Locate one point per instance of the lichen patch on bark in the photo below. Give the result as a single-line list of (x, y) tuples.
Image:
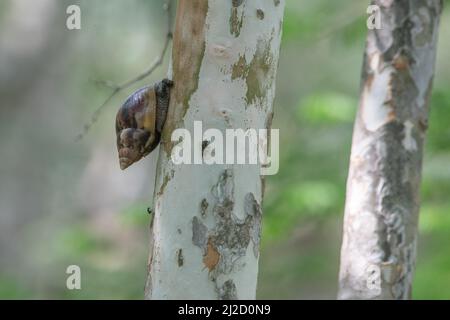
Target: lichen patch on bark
[(203, 208), (199, 233), (236, 17), (228, 291), (258, 74), (239, 69), (260, 14)]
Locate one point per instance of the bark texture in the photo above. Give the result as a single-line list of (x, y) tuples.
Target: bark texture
[(382, 206), (207, 218)]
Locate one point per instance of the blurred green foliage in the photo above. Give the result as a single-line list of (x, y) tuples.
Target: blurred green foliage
[(317, 98), (327, 108)]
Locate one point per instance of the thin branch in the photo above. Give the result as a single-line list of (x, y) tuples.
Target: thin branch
[(118, 88)]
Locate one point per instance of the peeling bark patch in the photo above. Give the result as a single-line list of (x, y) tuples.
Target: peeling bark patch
[(211, 257), (228, 291), (260, 14), (228, 241), (236, 21), (231, 235), (203, 208), (180, 258), (237, 3), (396, 199), (375, 107), (422, 35), (403, 92), (253, 209), (199, 233), (224, 188)]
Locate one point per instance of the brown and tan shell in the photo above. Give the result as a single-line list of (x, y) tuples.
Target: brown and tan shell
[(136, 127)]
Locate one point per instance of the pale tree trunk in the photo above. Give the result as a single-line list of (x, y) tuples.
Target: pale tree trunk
[(382, 206), (207, 218)]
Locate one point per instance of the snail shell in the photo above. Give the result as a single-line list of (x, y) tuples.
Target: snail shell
[(139, 122)]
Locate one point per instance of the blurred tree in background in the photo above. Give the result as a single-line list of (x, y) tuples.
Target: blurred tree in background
[(64, 203)]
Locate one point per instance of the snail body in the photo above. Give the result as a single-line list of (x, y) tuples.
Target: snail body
[(140, 120)]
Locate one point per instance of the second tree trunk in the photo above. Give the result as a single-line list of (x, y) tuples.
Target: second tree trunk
[(381, 216)]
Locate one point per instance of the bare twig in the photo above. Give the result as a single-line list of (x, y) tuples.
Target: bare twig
[(118, 88)]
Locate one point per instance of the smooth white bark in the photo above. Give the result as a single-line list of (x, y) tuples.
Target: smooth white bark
[(206, 228)]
